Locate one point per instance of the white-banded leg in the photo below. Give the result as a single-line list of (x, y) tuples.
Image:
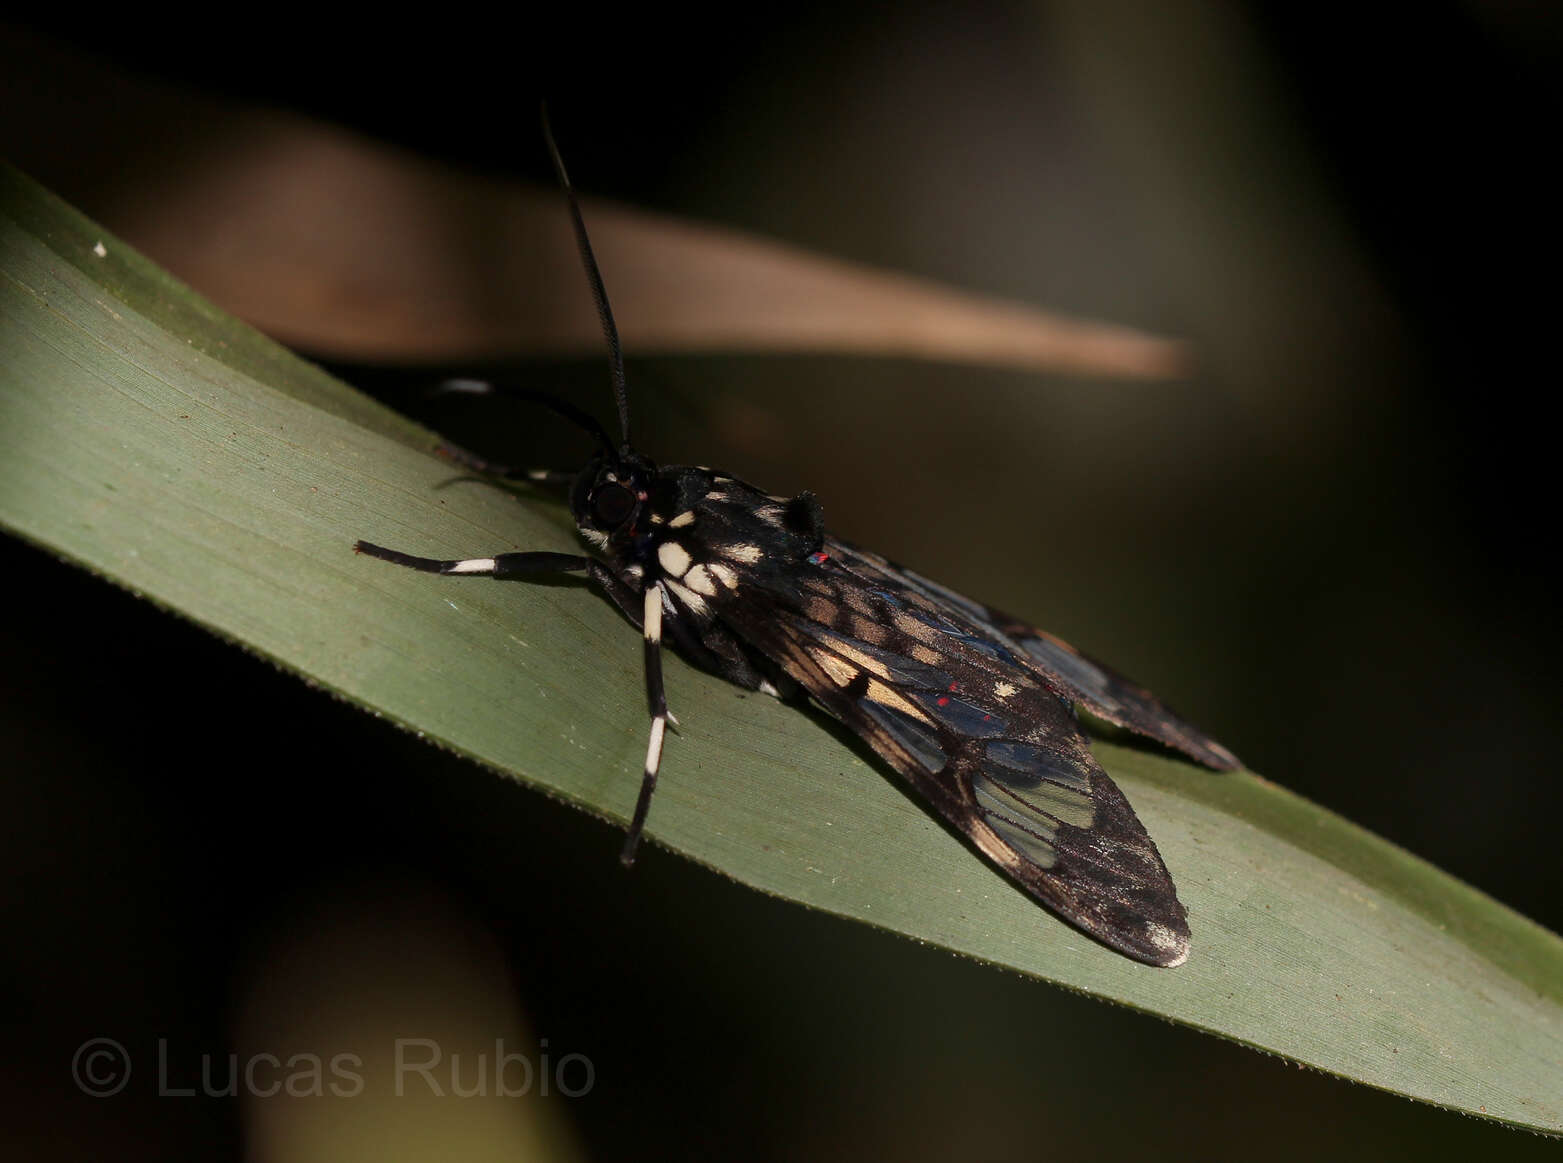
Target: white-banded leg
[(502, 565), (656, 699), (522, 565)]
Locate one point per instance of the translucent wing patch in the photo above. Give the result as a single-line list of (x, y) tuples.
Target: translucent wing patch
[(1026, 796)]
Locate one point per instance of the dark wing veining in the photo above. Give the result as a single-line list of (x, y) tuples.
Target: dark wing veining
[(980, 734), (1102, 691)]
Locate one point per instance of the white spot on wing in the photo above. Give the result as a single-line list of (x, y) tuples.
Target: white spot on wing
[(748, 554), (700, 580), (723, 574), (1165, 939), (768, 688), (1004, 689), (673, 558), (687, 517), (694, 601)]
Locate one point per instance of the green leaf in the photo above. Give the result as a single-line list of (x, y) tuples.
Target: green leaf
[(179, 454)]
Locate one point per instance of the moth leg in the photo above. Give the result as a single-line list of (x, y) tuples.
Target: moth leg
[(629, 602), (651, 628), (502, 565), (545, 476), (509, 472)]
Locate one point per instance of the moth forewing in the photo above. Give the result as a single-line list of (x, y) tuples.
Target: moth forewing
[(949, 703)]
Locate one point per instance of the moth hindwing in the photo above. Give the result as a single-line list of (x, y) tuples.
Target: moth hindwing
[(973, 708)]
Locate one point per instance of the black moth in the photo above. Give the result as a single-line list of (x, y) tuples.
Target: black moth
[(973, 707)]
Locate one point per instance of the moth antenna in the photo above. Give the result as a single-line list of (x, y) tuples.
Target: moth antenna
[(610, 331), (583, 420)]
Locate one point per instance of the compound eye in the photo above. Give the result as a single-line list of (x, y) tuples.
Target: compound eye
[(612, 504)]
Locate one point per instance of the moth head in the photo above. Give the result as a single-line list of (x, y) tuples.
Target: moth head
[(609, 497)]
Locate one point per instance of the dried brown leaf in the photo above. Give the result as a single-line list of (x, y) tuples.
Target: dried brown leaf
[(356, 250)]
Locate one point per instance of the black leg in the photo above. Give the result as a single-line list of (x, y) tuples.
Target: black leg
[(563, 408), (503, 565), (510, 472), (621, 595), (651, 628)]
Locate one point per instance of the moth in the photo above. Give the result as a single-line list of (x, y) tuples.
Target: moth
[(975, 709)]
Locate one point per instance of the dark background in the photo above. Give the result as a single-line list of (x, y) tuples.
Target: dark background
[(1331, 545)]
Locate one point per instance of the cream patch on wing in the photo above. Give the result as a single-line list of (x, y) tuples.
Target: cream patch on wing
[(694, 601), (748, 554), (840, 670), (887, 696), (872, 665), (673, 558)]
